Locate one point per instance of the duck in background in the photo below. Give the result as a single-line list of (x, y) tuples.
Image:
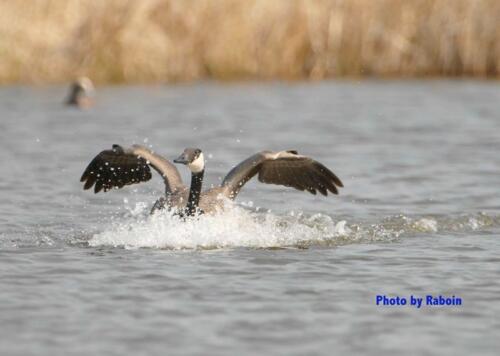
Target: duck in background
[(81, 93)]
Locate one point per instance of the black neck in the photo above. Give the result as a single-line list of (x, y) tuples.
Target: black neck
[(194, 192)]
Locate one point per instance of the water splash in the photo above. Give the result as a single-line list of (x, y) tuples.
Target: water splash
[(241, 227), (235, 227)]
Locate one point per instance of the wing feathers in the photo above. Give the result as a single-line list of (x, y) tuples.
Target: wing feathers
[(119, 167), (115, 168), (286, 168), (328, 173), (299, 172)]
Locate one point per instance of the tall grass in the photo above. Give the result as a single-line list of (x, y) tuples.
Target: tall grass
[(177, 40)]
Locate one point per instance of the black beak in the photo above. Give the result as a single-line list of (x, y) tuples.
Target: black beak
[(181, 159)]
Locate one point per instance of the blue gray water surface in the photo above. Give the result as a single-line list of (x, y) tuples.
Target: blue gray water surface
[(282, 272)]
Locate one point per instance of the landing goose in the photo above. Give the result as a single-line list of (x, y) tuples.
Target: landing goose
[(118, 167)]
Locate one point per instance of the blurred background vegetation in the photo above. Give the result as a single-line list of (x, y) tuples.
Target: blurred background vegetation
[(115, 41)]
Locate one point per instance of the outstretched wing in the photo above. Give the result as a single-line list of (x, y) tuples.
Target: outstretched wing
[(286, 168), (118, 167)]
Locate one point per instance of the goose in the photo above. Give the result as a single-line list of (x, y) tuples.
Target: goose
[(81, 93), (118, 167)]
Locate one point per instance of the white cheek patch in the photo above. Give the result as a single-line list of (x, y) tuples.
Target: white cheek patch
[(198, 164)]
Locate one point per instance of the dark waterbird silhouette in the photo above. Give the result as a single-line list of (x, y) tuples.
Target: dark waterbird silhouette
[(119, 167)]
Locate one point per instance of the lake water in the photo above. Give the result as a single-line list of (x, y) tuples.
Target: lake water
[(282, 272)]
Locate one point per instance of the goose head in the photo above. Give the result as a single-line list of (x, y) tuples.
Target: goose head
[(193, 158)]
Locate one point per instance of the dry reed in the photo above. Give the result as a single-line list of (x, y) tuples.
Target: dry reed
[(178, 40)]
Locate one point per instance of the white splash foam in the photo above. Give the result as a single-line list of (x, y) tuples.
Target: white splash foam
[(341, 229), (235, 227), (239, 226), (426, 225), (474, 223), (140, 208)]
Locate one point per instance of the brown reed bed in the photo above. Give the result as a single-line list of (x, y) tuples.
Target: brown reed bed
[(178, 40)]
